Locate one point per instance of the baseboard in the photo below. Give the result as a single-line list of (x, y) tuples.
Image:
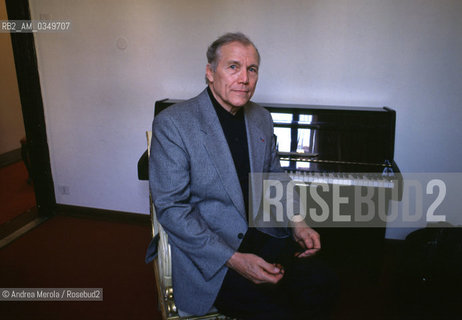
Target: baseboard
[(22, 231), (17, 222), (102, 214), (10, 157)]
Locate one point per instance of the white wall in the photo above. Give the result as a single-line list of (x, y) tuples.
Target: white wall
[(99, 98), (11, 121)]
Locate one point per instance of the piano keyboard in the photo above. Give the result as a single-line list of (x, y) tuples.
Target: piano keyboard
[(345, 179)]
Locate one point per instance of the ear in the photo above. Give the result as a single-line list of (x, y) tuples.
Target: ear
[(209, 73)]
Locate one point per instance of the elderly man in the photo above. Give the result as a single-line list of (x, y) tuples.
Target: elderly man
[(202, 153)]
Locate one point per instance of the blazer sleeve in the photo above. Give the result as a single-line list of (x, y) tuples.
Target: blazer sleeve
[(169, 176)]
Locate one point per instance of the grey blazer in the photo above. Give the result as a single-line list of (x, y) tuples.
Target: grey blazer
[(197, 195)]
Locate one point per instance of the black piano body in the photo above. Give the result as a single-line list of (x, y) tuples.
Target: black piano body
[(351, 147), (339, 145)]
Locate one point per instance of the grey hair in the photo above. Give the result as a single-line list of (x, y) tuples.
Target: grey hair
[(213, 51)]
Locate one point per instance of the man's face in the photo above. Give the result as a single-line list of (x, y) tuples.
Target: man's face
[(233, 82)]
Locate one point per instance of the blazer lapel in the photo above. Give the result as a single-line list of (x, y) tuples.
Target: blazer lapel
[(257, 146), (218, 150), (256, 140)]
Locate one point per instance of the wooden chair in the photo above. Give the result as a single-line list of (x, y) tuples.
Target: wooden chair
[(163, 270)]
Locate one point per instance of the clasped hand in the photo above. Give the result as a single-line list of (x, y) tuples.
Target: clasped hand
[(257, 270), (308, 239)]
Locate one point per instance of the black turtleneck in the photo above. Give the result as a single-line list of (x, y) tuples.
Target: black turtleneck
[(236, 135)]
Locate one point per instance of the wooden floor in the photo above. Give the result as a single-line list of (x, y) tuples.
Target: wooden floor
[(17, 202), (16, 194), (66, 252)]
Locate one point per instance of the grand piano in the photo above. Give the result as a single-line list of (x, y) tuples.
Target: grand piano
[(352, 147)]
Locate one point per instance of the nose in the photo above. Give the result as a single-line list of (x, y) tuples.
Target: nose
[(244, 76)]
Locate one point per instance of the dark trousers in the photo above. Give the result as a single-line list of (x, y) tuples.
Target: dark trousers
[(308, 289)]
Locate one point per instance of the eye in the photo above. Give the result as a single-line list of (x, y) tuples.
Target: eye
[(253, 69), (233, 66)]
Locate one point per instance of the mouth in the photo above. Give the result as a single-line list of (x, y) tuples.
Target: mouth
[(241, 91)]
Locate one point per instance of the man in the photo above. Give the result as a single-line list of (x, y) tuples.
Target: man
[(201, 155)]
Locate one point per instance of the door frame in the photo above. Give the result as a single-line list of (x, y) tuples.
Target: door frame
[(30, 93)]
